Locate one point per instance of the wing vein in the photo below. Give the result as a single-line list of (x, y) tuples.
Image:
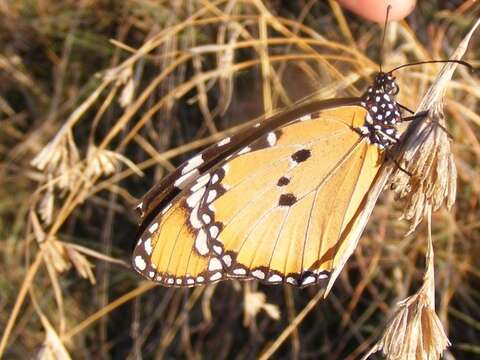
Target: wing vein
[(173, 251), (353, 189), (306, 232), (276, 241), (350, 152), (261, 219)]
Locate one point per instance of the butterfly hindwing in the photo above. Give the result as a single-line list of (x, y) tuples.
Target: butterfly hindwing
[(279, 210)]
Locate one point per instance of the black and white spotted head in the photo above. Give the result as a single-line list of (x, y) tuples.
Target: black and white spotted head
[(386, 83)]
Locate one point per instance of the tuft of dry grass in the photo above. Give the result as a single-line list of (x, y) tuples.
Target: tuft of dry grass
[(100, 101), (415, 332)]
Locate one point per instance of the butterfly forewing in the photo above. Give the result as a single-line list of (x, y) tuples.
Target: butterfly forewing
[(164, 192)]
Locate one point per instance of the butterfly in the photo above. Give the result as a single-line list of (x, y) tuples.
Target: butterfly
[(277, 202)]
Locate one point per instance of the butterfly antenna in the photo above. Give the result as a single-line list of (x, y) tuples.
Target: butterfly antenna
[(383, 36), (464, 63)]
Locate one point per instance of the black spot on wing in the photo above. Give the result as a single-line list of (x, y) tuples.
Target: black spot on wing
[(301, 155), (287, 200), (283, 181)]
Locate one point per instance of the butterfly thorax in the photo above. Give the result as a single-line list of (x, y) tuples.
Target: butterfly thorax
[(383, 113)]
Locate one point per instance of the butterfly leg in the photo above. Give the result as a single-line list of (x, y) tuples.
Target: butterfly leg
[(405, 108), (420, 115), (386, 145), (387, 156), (401, 168)]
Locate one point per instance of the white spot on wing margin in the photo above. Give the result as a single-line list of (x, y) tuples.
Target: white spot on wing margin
[(271, 138), (193, 163), (140, 264), (148, 246)]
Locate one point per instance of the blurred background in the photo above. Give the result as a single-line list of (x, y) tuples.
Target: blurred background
[(100, 99)]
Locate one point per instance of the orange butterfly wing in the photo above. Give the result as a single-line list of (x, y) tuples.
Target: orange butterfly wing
[(278, 210)]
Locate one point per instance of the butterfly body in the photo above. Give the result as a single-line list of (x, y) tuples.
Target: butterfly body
[(383, 112), (278, 202)]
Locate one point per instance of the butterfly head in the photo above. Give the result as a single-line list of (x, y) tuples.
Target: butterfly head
[(385, 83)]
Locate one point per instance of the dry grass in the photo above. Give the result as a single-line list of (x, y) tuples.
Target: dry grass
[(88, 124)]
